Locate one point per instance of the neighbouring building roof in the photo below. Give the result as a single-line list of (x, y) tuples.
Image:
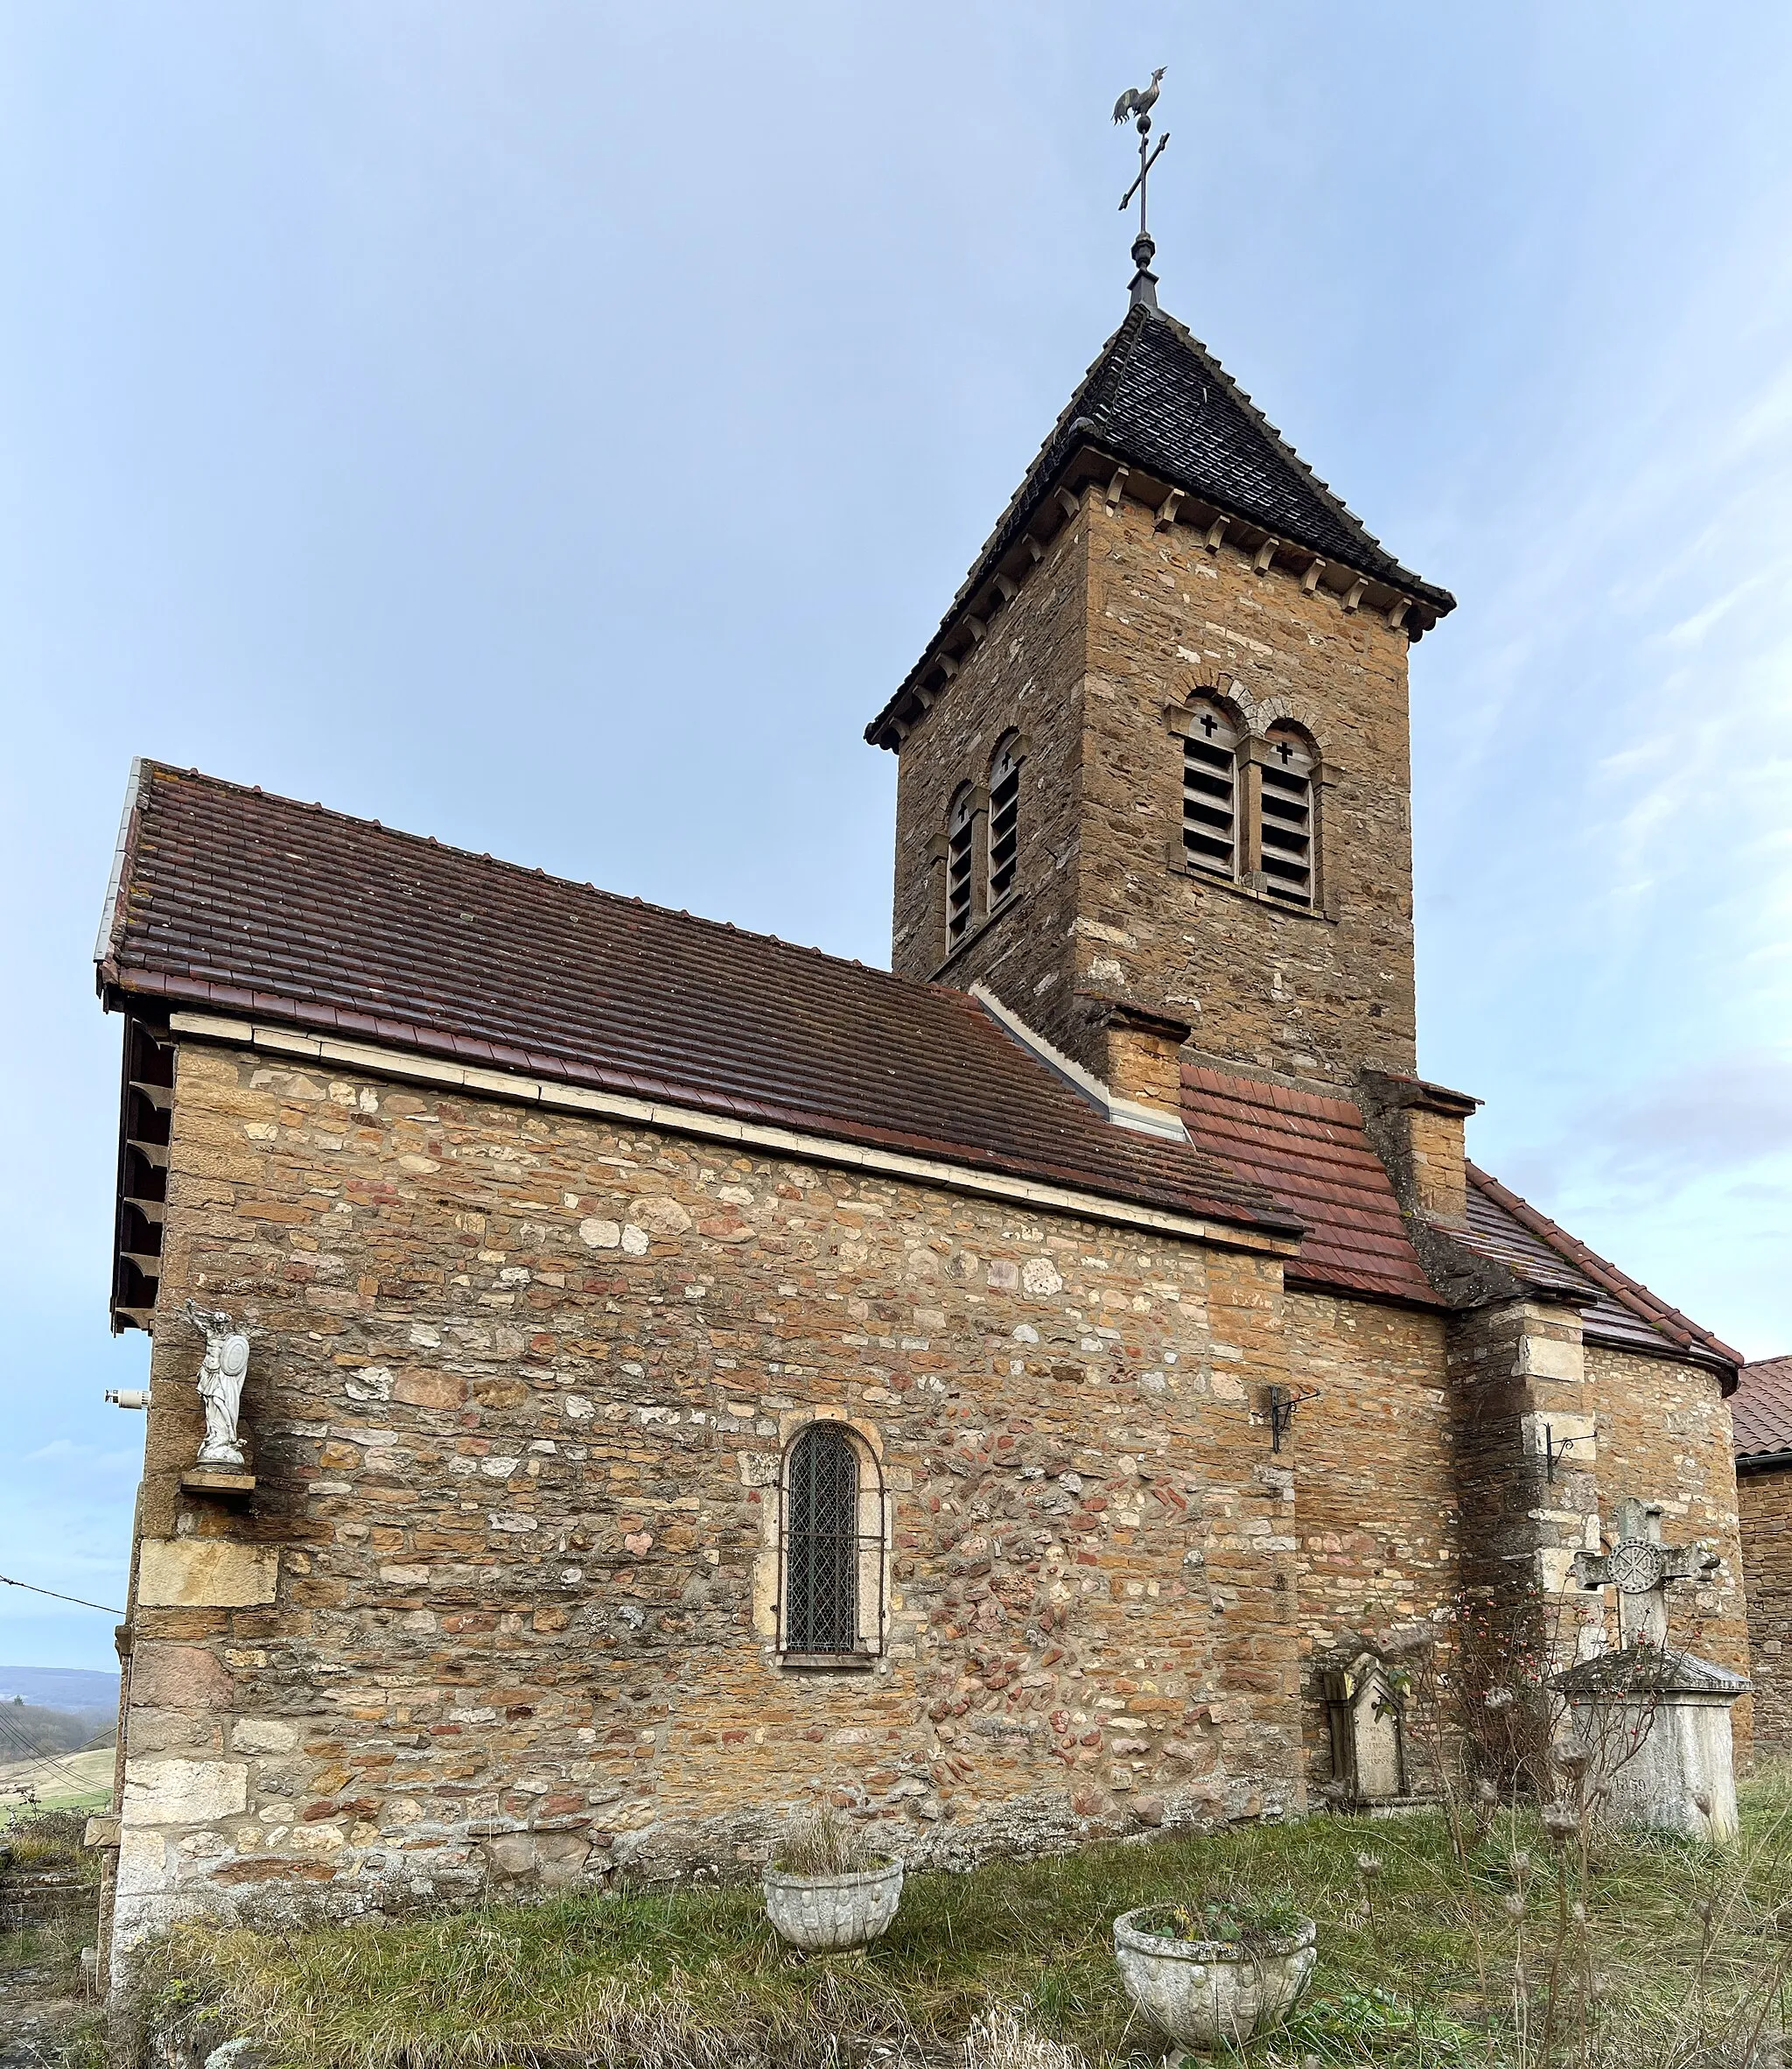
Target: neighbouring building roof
[(1313, 1153), (1621, 1311), (1158, 400), (258, 907), (1760, 1410)]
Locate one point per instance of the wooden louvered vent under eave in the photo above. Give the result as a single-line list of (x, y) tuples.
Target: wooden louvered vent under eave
[(145, 1122)]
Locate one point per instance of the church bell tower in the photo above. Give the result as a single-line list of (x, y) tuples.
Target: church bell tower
[(1153, 787)]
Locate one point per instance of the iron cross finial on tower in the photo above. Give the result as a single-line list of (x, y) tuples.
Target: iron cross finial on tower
[(1138, 101)]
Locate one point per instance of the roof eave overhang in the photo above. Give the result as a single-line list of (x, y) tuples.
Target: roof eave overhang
[(1078, 459), (123, 990), (1763, 1461)]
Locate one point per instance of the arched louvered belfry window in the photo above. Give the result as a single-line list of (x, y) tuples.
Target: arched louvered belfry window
[(1210, 738), (960, 827), (1005, 818), (822, 1542), (1289, 831)]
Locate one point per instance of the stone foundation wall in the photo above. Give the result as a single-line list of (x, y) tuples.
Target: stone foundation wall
[(1765, 1501), (502, 1608)]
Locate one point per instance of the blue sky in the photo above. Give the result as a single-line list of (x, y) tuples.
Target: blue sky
[(557, 427)]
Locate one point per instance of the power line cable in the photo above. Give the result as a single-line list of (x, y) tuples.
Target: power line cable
[(32, 1753), (36, 1753), (81, 1602)]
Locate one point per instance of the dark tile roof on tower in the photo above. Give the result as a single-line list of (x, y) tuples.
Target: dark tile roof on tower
[(256, 906), (1310, 1152), (1621, 1311), (1158, 399), (1760, 1410)]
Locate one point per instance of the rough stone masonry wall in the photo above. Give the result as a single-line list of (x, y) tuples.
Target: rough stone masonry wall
[(496, 1611), (1317, 995), (1664, 1436), (1373, 1468), (1026, 675), (1121, 620), (1765, 1506), (1519, 1391)]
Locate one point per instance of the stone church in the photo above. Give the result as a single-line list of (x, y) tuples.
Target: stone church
[(691, 1376)]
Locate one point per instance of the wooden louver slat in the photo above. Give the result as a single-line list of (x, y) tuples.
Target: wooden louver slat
[(1210, 793)]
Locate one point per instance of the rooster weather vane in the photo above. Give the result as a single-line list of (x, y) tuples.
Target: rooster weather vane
[(1137, 101)]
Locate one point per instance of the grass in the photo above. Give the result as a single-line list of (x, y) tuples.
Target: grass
[(1424, 1964), (40, 1964), (83, 1800), (27, 1786), (825, 1843)]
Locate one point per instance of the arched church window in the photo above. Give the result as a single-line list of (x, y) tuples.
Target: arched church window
[(825, 1543), (959, 825), (1005, 818), (1210, 790), (1288, 830)]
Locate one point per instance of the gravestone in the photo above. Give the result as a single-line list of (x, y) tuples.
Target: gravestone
[(1640, 1567), (1655, 1720), (1367, 1723)]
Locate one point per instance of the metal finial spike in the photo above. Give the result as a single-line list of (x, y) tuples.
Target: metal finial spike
[(1143, 287)]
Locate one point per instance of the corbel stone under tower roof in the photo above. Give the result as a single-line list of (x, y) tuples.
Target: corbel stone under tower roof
[(1156, 401)]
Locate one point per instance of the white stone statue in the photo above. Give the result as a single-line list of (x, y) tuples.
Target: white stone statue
[(221, 1379)]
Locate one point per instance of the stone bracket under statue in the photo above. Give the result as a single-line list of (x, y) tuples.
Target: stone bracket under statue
[(1656, 1721), (220, 1468)]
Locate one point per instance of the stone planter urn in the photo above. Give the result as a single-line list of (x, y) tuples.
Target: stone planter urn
[(823, 1912), (1204, 1993)]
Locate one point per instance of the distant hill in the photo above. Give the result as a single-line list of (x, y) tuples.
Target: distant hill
[(60, 1687)]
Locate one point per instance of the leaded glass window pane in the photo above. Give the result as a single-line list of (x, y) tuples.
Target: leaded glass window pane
[(821, 1553)]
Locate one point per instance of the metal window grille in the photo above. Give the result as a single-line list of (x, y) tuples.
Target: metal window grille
[(822, 1543), (1210, 793), (958, 872), (1287, 821), (1005, 824)]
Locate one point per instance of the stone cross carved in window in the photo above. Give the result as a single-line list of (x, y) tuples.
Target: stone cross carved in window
[(1639, 1566)]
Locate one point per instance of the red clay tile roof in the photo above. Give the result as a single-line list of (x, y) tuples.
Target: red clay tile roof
[(1312, 1154), (254, 905), (1624, 1312), (1760, 1409)]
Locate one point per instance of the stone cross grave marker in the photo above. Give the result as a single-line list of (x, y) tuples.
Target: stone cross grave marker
[(1639, 1566)]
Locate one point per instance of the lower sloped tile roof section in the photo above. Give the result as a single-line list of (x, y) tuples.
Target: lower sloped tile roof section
[(258, 907), (1760, 1409), (1622, 1311), (1311, 1153)]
